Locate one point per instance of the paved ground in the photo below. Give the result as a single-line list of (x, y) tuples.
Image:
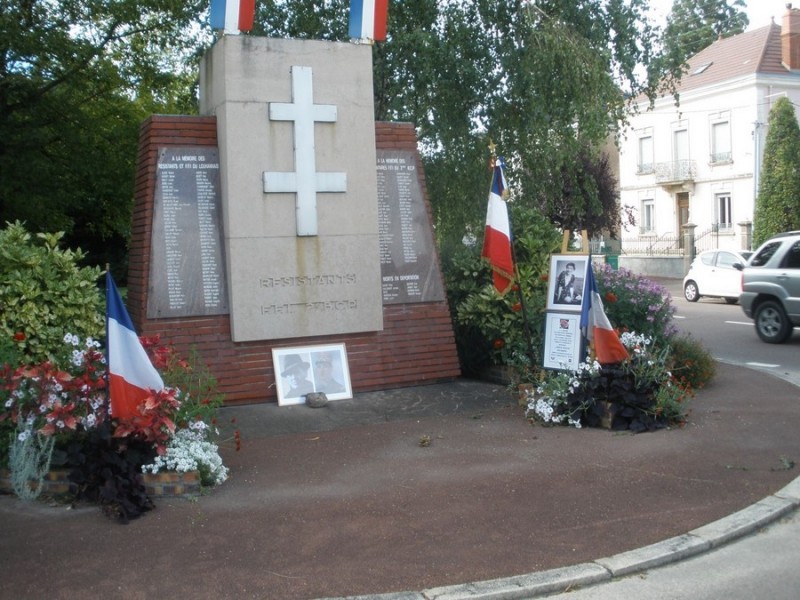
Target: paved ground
[(345, 500)]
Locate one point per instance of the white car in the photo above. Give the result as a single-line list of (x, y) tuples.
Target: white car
[(713, 274)]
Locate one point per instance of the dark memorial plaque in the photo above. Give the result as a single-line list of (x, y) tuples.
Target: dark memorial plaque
[(408, 269), (187, 275)]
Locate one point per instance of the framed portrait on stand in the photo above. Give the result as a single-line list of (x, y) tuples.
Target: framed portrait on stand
[(567, 276)]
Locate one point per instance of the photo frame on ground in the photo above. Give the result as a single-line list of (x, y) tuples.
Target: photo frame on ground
[(567, 276), (301, 370), (562, 341)]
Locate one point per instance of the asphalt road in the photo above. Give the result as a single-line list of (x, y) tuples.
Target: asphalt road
[(730, 335)]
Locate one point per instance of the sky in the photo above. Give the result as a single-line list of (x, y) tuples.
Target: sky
[(758, 11)]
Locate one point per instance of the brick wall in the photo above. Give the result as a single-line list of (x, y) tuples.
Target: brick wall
[(417, 345)]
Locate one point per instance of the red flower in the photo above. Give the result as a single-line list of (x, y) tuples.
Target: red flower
[(611, 297), (498, 343), (60, 417), (19, 336), (517, 307)]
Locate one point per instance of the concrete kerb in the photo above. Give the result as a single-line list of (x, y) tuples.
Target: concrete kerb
[(697, 541), (543, 583)]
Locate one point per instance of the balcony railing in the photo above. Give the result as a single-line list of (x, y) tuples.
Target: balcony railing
[(721, 157), (678, 171)]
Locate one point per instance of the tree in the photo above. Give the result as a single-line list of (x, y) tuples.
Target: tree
[(778, 203), (693, 25), (590, 198), (77, 77)]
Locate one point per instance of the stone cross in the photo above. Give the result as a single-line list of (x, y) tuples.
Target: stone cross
[(305, 181)]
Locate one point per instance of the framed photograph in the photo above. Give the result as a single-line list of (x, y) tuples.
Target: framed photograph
[(562, 341), (567, 275), (305, 369)]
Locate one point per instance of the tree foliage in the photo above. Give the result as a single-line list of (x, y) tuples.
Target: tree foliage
[(693, 25), (548, 81), (76, 79), (778, 203)]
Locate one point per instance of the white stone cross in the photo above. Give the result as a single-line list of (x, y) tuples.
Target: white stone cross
[(305, 181)]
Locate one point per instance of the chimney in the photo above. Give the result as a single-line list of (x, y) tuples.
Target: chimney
[(790, 38)]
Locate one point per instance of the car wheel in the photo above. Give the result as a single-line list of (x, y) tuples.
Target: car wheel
[(690, 291), (730, 300), (772, 324)]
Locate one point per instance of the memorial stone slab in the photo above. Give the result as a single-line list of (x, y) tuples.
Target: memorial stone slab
[(296, 134)]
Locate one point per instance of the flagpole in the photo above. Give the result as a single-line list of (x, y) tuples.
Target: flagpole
[(523, 308), (107, 375)]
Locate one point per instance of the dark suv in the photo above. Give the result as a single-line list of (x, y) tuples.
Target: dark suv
[(771, 287)]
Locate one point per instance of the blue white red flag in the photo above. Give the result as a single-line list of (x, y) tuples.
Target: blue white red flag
[(368, 19), (131, 375), (497, 234), (233, 16), (608, 348)]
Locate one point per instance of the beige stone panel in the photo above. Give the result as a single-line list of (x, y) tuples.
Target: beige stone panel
[(252, 72), (300, 287)]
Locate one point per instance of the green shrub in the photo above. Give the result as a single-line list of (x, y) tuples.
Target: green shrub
[(44, 293), (490, 329), (691, 363)]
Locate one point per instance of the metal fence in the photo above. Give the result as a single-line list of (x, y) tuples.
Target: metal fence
[(667, 244)]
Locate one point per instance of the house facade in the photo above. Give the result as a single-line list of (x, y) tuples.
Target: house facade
[(690, 168)]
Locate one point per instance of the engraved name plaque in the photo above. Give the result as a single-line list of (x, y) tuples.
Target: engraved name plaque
[(408, 269), (187, 276)]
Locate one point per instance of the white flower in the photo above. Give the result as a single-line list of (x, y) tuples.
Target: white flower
[(9, 402), (23, 435), (189, 451)]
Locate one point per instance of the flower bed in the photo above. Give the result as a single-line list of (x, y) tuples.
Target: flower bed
[(55, 420), (638, 394)]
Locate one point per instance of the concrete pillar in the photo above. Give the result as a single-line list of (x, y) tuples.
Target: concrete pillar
[(688, 245), (746, 235)]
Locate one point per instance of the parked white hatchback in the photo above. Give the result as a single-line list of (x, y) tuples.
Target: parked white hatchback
[(713, 273)]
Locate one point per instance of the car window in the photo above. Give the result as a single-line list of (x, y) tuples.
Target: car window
[(763, 256), (792, 258), (726, 259), (707, 258)]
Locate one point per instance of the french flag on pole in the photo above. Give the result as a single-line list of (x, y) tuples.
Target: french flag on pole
[(232, 16), (608, 349), (131, 375), (368, 19), (497, 235)]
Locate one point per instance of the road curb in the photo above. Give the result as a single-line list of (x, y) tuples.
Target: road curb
[(703, 539)]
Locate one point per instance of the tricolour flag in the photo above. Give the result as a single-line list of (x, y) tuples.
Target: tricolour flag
[(131, 375), (608, 349), (497, 235), (368, 19), (232, 16)]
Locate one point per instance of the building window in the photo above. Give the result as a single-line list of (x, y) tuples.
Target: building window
[(723, 214), (721, 142), (645, 164), (648, 224)]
